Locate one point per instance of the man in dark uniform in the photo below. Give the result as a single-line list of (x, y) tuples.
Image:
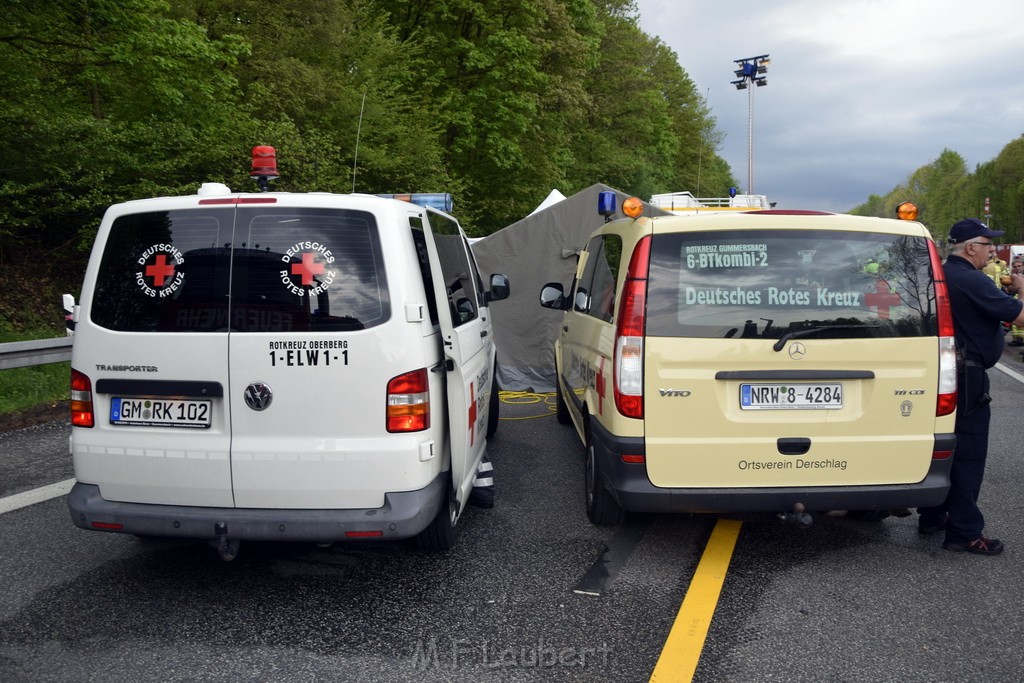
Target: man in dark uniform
[(978, 312)]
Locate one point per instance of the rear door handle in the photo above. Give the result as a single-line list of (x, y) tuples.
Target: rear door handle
[(483, 333)]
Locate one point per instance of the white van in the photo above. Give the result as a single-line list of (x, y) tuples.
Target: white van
[(278, 366)]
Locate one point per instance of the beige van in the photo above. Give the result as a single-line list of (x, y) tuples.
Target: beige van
[(759, 361)]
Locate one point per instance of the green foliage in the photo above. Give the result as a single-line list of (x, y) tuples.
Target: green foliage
[(945, 191), (495, 101), (647, 130), (22, 388), (101, 98)]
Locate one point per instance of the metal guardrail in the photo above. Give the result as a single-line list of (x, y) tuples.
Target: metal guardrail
[(35, 352)]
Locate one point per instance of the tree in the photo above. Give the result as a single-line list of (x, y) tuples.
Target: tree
[(98, 100), (503, 78), (647, 129), (1007, 177)]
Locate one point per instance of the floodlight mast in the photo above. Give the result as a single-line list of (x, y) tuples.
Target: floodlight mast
[(751, 71)]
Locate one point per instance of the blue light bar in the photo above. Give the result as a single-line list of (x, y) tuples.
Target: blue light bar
[(442, 201), (606, 203)]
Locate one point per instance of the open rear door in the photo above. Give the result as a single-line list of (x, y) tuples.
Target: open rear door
[(463, 333)]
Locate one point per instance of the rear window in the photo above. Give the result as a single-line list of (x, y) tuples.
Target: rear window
[(767, 283), (286, 269)]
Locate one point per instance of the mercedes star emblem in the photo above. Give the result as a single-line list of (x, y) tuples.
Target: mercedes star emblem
[(797, 351)]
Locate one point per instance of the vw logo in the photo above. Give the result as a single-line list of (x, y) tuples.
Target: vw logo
[(258, 396), (797, 351)]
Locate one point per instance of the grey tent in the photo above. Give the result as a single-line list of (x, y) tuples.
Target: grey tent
[(538, 249)]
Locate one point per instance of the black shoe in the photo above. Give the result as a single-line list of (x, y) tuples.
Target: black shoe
[(979, 546), (929, 529)]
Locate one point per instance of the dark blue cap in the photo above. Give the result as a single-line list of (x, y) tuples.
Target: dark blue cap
[(968, 229)]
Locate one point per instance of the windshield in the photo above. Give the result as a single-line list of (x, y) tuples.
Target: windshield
[(769, 283)]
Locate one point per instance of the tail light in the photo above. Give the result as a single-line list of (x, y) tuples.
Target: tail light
[(946, 401), (81, 400), (629, 335), (408, 403)]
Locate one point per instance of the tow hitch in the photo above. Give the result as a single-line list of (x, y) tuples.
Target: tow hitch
[(226, 547), (798, 516)]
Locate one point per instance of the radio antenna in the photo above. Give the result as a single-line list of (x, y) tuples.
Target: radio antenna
[(355, 155)]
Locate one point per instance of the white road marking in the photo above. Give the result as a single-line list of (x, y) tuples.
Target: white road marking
[(1012, 373), (26, 498)]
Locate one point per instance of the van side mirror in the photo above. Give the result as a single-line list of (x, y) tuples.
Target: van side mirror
[(552, 296), (68, 300), (500, 288)]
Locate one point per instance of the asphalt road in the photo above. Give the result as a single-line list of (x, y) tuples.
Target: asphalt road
[(841, 600)]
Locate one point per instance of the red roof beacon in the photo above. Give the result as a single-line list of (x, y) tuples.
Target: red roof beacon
[(264, 166)]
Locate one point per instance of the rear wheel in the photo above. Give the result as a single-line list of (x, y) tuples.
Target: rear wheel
[(602, 508), (561, 409), (441, 532)]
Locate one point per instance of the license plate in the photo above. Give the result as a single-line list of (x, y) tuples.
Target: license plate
[(160, 412), (791, 396)]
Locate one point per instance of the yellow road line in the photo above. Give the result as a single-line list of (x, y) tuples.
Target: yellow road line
[(679, 656)]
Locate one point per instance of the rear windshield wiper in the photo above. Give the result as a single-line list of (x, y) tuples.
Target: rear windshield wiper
[(808, 331)]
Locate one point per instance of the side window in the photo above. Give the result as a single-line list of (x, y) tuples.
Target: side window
[(458, 274), (480, 299), (606, 272), (582, 297), (420, 242), (595, 292)]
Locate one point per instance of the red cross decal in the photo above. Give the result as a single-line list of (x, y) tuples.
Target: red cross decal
[(160, 270), (308, 268), (472, 413), (882, 299), (600, 388)]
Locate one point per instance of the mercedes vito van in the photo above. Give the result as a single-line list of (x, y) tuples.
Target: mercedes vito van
[(278, 366), (758, 361)]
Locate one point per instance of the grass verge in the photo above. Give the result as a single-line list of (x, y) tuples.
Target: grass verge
[(22, 388), (25, 388)]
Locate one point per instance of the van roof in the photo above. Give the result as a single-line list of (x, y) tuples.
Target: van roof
[(779, 219)]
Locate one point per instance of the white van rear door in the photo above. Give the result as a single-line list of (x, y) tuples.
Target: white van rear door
[(153, 340), (465, 333), (313, 343)]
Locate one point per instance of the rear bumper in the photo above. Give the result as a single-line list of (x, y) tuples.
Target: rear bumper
[(634, 492), (403, 515)]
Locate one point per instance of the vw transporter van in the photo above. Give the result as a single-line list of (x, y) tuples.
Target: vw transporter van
[(278, 366)]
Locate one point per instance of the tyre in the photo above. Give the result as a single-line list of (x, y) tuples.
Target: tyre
[(494, 407), (441, 532), (561, 409), (602, 508)]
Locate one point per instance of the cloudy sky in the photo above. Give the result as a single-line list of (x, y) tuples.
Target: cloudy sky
[(860, 93)]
